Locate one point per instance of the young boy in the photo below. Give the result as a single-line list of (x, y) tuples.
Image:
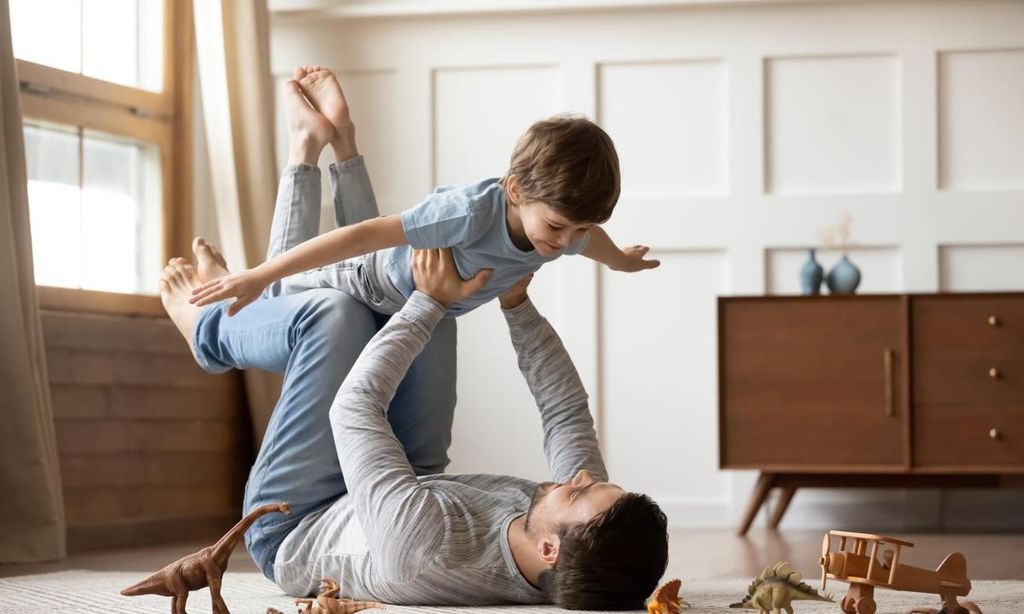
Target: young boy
[(562, 182)]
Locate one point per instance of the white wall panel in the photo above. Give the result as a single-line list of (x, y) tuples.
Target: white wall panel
[(880, 269), (479, 113), (981, 120), (660, 399), (668, 123), (833, 124), (978, 268)]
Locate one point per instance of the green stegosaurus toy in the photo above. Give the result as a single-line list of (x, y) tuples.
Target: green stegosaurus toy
[(775, 589)]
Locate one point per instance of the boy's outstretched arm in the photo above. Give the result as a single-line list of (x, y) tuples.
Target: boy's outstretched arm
[(602, 249), (334, 246)]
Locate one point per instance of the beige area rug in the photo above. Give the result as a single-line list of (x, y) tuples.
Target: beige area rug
[(80, 592)]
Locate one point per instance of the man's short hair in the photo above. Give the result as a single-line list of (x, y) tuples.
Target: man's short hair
[(613, 561), (568, 163)]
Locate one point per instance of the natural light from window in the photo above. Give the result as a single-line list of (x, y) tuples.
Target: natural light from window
[(114, 40), (94, 203)]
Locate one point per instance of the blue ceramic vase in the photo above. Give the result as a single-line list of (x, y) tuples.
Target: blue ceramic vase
[(843, 278), (810, 275)]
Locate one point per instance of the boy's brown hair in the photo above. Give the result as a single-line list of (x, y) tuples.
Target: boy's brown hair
[(568, 163)]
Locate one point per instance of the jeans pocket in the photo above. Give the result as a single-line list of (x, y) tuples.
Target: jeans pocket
[(367, 285)]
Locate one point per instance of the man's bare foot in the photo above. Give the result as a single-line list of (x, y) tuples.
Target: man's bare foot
[(176, 283), (210, 264), (309, 131), (322, 89)]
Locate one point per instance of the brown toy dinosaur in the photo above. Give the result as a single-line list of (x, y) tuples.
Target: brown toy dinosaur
[(200, 569), (328, 602)]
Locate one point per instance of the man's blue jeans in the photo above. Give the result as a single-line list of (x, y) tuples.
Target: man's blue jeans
[(315, 337)]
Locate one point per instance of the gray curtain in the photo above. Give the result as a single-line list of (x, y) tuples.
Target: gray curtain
[(31, 505)]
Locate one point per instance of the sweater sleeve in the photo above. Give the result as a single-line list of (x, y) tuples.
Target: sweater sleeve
[(402, 519), (570, 442)]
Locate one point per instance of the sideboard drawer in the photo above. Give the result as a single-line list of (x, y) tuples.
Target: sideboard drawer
[(969, 375), (964, 321), (965, 435)]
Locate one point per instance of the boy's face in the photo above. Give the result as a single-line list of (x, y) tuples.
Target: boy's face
[(548, 231)]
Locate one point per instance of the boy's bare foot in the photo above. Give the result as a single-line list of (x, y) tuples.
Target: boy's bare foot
[(176, 284), (322, 89), (309, 131), (209, 262)]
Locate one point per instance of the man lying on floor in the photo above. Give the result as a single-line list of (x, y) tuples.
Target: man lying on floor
[(447, 539)]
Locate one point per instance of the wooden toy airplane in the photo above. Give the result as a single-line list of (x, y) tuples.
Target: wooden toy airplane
[(865, 571)]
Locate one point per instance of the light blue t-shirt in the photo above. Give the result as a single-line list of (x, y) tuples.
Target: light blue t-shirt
[(470, 219)]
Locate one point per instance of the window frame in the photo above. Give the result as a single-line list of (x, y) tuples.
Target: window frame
[(161, 118)]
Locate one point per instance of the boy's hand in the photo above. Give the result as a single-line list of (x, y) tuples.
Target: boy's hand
[(244, 286), (514, 296), (435, 275), (633, 259)]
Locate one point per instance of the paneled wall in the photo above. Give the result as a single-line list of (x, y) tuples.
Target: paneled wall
[(744, 131), (151, 448)]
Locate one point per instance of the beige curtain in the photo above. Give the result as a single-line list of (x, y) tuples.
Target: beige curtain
[(31, 504), (233, 51)]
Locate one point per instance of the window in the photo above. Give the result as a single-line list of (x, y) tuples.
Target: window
[(95, 209), (120, 41), (105, 90)]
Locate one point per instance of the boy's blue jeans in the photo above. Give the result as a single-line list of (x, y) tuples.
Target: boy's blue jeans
[(315, 337)]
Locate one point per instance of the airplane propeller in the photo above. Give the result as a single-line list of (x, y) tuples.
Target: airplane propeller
[(824, 561)]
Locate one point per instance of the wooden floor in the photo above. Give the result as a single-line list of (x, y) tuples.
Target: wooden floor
[(693, 554)]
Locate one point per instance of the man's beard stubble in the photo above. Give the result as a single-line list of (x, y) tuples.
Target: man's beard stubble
[(538, 494)]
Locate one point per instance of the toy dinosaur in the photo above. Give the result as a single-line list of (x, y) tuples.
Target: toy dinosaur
[(666, 599), (328, 602), (200, 569), (775, 589)]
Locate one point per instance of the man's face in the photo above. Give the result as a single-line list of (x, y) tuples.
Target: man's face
[(578, 501)]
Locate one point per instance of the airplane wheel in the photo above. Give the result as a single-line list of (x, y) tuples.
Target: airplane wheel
[(865, 605), (848, 605)]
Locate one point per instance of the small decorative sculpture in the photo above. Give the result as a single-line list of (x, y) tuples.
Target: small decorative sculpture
[(666, 599), (776, 589), (201, 569)]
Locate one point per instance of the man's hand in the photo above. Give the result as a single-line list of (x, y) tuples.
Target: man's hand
[(435, 275), (514, 296), (245, 286), (633, 259)]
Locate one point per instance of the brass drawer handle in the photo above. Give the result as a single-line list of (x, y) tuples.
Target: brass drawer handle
[(890, 401), (994, 434), (994, 373), (993, 321)]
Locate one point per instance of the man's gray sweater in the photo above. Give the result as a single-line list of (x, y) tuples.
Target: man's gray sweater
[(439, 539)]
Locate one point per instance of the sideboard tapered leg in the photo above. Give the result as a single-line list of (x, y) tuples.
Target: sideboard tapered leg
[(764, 486)]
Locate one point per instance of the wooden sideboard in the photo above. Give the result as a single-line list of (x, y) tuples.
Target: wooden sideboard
[(912, 390)]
